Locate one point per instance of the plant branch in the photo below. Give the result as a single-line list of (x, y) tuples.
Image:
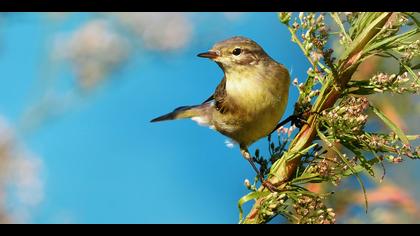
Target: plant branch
[(283, 169)]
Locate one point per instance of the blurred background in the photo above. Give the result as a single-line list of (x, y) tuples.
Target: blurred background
[(77, 92)]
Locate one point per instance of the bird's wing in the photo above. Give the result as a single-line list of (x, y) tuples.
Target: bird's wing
[(220, 98), (209, 99)]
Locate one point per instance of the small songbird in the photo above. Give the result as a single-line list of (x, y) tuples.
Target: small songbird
[(249, 101)]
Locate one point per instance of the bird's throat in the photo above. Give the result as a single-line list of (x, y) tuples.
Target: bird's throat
[(246, 85)]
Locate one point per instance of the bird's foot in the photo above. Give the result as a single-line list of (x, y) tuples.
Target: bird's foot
[(301, 119), (269, 185), (297, 120)]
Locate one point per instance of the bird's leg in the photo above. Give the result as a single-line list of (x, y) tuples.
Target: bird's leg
[(245, 153)]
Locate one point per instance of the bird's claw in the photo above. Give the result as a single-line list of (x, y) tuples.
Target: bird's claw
[(269, 186)]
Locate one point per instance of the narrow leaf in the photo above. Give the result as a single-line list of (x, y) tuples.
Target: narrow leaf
[(391, 125), (250, 196), (366, 35), (322, 136), (389, 42)]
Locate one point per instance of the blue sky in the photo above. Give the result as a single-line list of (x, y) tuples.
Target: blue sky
[(103, 162)]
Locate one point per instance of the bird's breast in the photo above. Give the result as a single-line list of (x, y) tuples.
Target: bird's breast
[(254, 92), (260, 104)]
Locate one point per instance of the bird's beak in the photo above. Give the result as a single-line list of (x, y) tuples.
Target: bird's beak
[(209, 54)]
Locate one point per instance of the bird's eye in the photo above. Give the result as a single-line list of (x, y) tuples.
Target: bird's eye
[(236, 51)]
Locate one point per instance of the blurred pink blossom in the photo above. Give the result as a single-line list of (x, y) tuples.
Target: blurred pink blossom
[(94, 50), (158, 30), (21, 186)]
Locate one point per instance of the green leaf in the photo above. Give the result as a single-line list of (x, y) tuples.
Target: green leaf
[(413, 18), (369, 24), (322, 136), (337, 20), (301, 153), (389, 42), (250, 196), (363, 161), (356, 169), (413, 137), (362, 91), (308, 178), (359, 168), (390, 125), (409, 70), (362, 185)]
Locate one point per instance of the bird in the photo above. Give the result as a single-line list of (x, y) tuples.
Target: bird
[(251, 98)]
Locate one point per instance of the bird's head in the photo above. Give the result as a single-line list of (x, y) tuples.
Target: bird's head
[(236, 52)]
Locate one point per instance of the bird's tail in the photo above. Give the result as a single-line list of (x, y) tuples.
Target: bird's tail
[(183, 112)]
